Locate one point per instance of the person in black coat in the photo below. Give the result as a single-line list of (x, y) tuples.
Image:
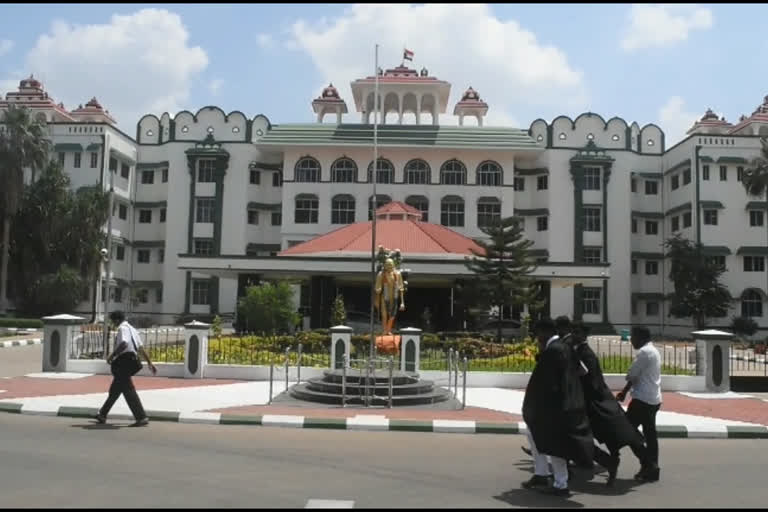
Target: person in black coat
[(555, 413), (609, 423)]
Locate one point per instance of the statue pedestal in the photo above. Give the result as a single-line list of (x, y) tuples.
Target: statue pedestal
[(388, 344)]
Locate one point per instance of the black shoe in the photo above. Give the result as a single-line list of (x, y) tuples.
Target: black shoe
[(554, 491), (527, 451), (648, 475), (101, 420), (612, 470), (141, 423), (537, 481)]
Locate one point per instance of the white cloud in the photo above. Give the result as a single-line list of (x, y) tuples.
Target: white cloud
[(265, 41), (215, 85), (134, 64), (464, 44), (653, 26), (6, 45), (675, 120)]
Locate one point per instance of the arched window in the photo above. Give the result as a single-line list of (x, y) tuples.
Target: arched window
[(342, 209), (488, 211), (453, 172), (751, 304), (344, 170), (307, 170), (452, 211), (421, 203), (381, 200), (306, 209), (417, 172), (489, 174), (385, 171)]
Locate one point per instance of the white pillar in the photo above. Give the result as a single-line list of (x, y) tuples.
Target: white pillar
[(410, 346), (461, 119), (195, 349), (418, 109), (713, 359), (341, 343), (320, 116), (479, 120), (338, 115), (434, 114), (59, 334)]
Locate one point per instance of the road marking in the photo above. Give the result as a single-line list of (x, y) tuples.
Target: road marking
[(330, 504)]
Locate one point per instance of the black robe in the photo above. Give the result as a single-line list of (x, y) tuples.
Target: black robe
[(554, 408), (610, 425)]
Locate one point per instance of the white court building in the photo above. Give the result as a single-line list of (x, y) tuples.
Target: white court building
[(206, 201)]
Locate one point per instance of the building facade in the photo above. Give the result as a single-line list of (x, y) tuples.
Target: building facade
[(205, 202)]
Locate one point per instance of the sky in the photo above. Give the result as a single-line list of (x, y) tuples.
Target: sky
[(663, 64)]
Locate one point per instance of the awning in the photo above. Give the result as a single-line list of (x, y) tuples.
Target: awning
[(752, 251)]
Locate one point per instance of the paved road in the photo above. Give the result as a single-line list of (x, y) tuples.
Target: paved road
[(64, 462), (16, 361)]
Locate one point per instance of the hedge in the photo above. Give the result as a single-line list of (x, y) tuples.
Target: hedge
[(22, 323)]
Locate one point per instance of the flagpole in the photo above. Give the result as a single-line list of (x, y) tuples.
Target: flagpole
[(373, 206)]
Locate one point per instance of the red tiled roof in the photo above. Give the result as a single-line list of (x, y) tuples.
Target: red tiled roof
[(397, 207)]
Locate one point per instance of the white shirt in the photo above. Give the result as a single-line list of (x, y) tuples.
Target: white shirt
[(124, 333), (645, 375)]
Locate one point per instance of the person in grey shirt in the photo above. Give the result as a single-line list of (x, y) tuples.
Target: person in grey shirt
[(644, 379)]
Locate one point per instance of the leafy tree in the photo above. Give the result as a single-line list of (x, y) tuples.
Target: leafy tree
[(339, 312), (743, 326), (216, 327), (23, 144), (268, 308), (502, 269), (698, 291), (755, 178)]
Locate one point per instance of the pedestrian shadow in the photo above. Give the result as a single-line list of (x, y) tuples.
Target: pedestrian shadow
[(534, 499), (583, 480), (98, 426)]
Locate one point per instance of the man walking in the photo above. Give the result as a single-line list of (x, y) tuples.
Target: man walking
[(125, 363), (553, 410), (644, 379)]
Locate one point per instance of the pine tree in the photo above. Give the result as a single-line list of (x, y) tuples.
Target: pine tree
[(339, 312), (503, 269)]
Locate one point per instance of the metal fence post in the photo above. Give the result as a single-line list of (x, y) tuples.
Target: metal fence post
[(456, 375), (464, 386), (450, 362), (298, 366), (391, 372), (271, 375), (287, 366), (344, 380)]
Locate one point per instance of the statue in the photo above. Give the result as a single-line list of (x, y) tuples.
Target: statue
[(389, 289)]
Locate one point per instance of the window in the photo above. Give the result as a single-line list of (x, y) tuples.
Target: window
[(717, 261), (113, 164), (755, 218), (78, 156), (676, 223), (520, 184), (591, 219), (651, 268), (542, 223), (306, 209), (634, 225), (385, 172), (686, 176), (307, 170), (633, 185), (739, 173), (651, 227), (591, 300), (723, 172), (277, 218), (705, 173), (145, 216), (117, 294), (162, 214), (123, 212), (147, 177), (488, 212), (159, 295), (592, 178), (344, 170), (342, 209), (204, 210), (277, 180), (202, 247), (165, 175), (651, 187), (62, 157), (120, 252), (421, 203), (675, 182), (651, 309), (162, 255), (634, 266), (205, 171), (381, 200), (754, 264), (94, 160), (592, 254), (687, 220), (541, 183), (201, 292), (710, 217), (253, 217), (125, 171), (452, 211), (142, 256), (751, 304), (489, 174), (255, 177), (453, 172)]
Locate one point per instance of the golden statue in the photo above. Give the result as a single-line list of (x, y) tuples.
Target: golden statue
[(389, 288)]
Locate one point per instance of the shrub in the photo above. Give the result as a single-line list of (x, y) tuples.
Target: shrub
[(743, 326), (216, 326), (759, 349), (22, 323), (269, 307), (142, 322)]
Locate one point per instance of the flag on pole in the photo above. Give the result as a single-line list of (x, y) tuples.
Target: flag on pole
[(407, 55)]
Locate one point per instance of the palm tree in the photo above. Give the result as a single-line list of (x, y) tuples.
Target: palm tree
[(23, 143), (755, 179)]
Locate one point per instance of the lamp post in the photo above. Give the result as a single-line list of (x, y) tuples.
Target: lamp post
[(106, 254)]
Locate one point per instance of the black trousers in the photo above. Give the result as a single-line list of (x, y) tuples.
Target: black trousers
[(641, 413), (122, 384), (638, 449)]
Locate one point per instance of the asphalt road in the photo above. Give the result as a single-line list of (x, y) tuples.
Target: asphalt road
[(64, 462)]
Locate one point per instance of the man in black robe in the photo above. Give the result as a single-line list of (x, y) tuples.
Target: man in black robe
[(609, 423), (554, 412)]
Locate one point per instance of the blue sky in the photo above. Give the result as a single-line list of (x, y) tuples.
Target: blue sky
[(663, 64)]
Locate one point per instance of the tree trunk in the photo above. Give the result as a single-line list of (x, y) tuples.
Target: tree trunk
[(4, 264)]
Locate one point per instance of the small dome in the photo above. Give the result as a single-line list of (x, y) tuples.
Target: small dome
[(330, 92), (31, 82), (93, 103), (470, 94), (709, 116), (424, 72)]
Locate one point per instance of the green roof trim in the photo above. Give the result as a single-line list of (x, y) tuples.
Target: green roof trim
[(531, 172), (266, 167), (711, 204), (681, 208), (146, 284), (647, 296), (757, 205), (707, 159), (592, 153), (531, 212), (148, 243), (732, 160), (752, 251), (361, 135), (253, 205), (677, 167), (262, 247), (93, 147), (151, 165), (649, 175), (150, 204), (715, 250), (647, 255), (648, 215), (68, 146)]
